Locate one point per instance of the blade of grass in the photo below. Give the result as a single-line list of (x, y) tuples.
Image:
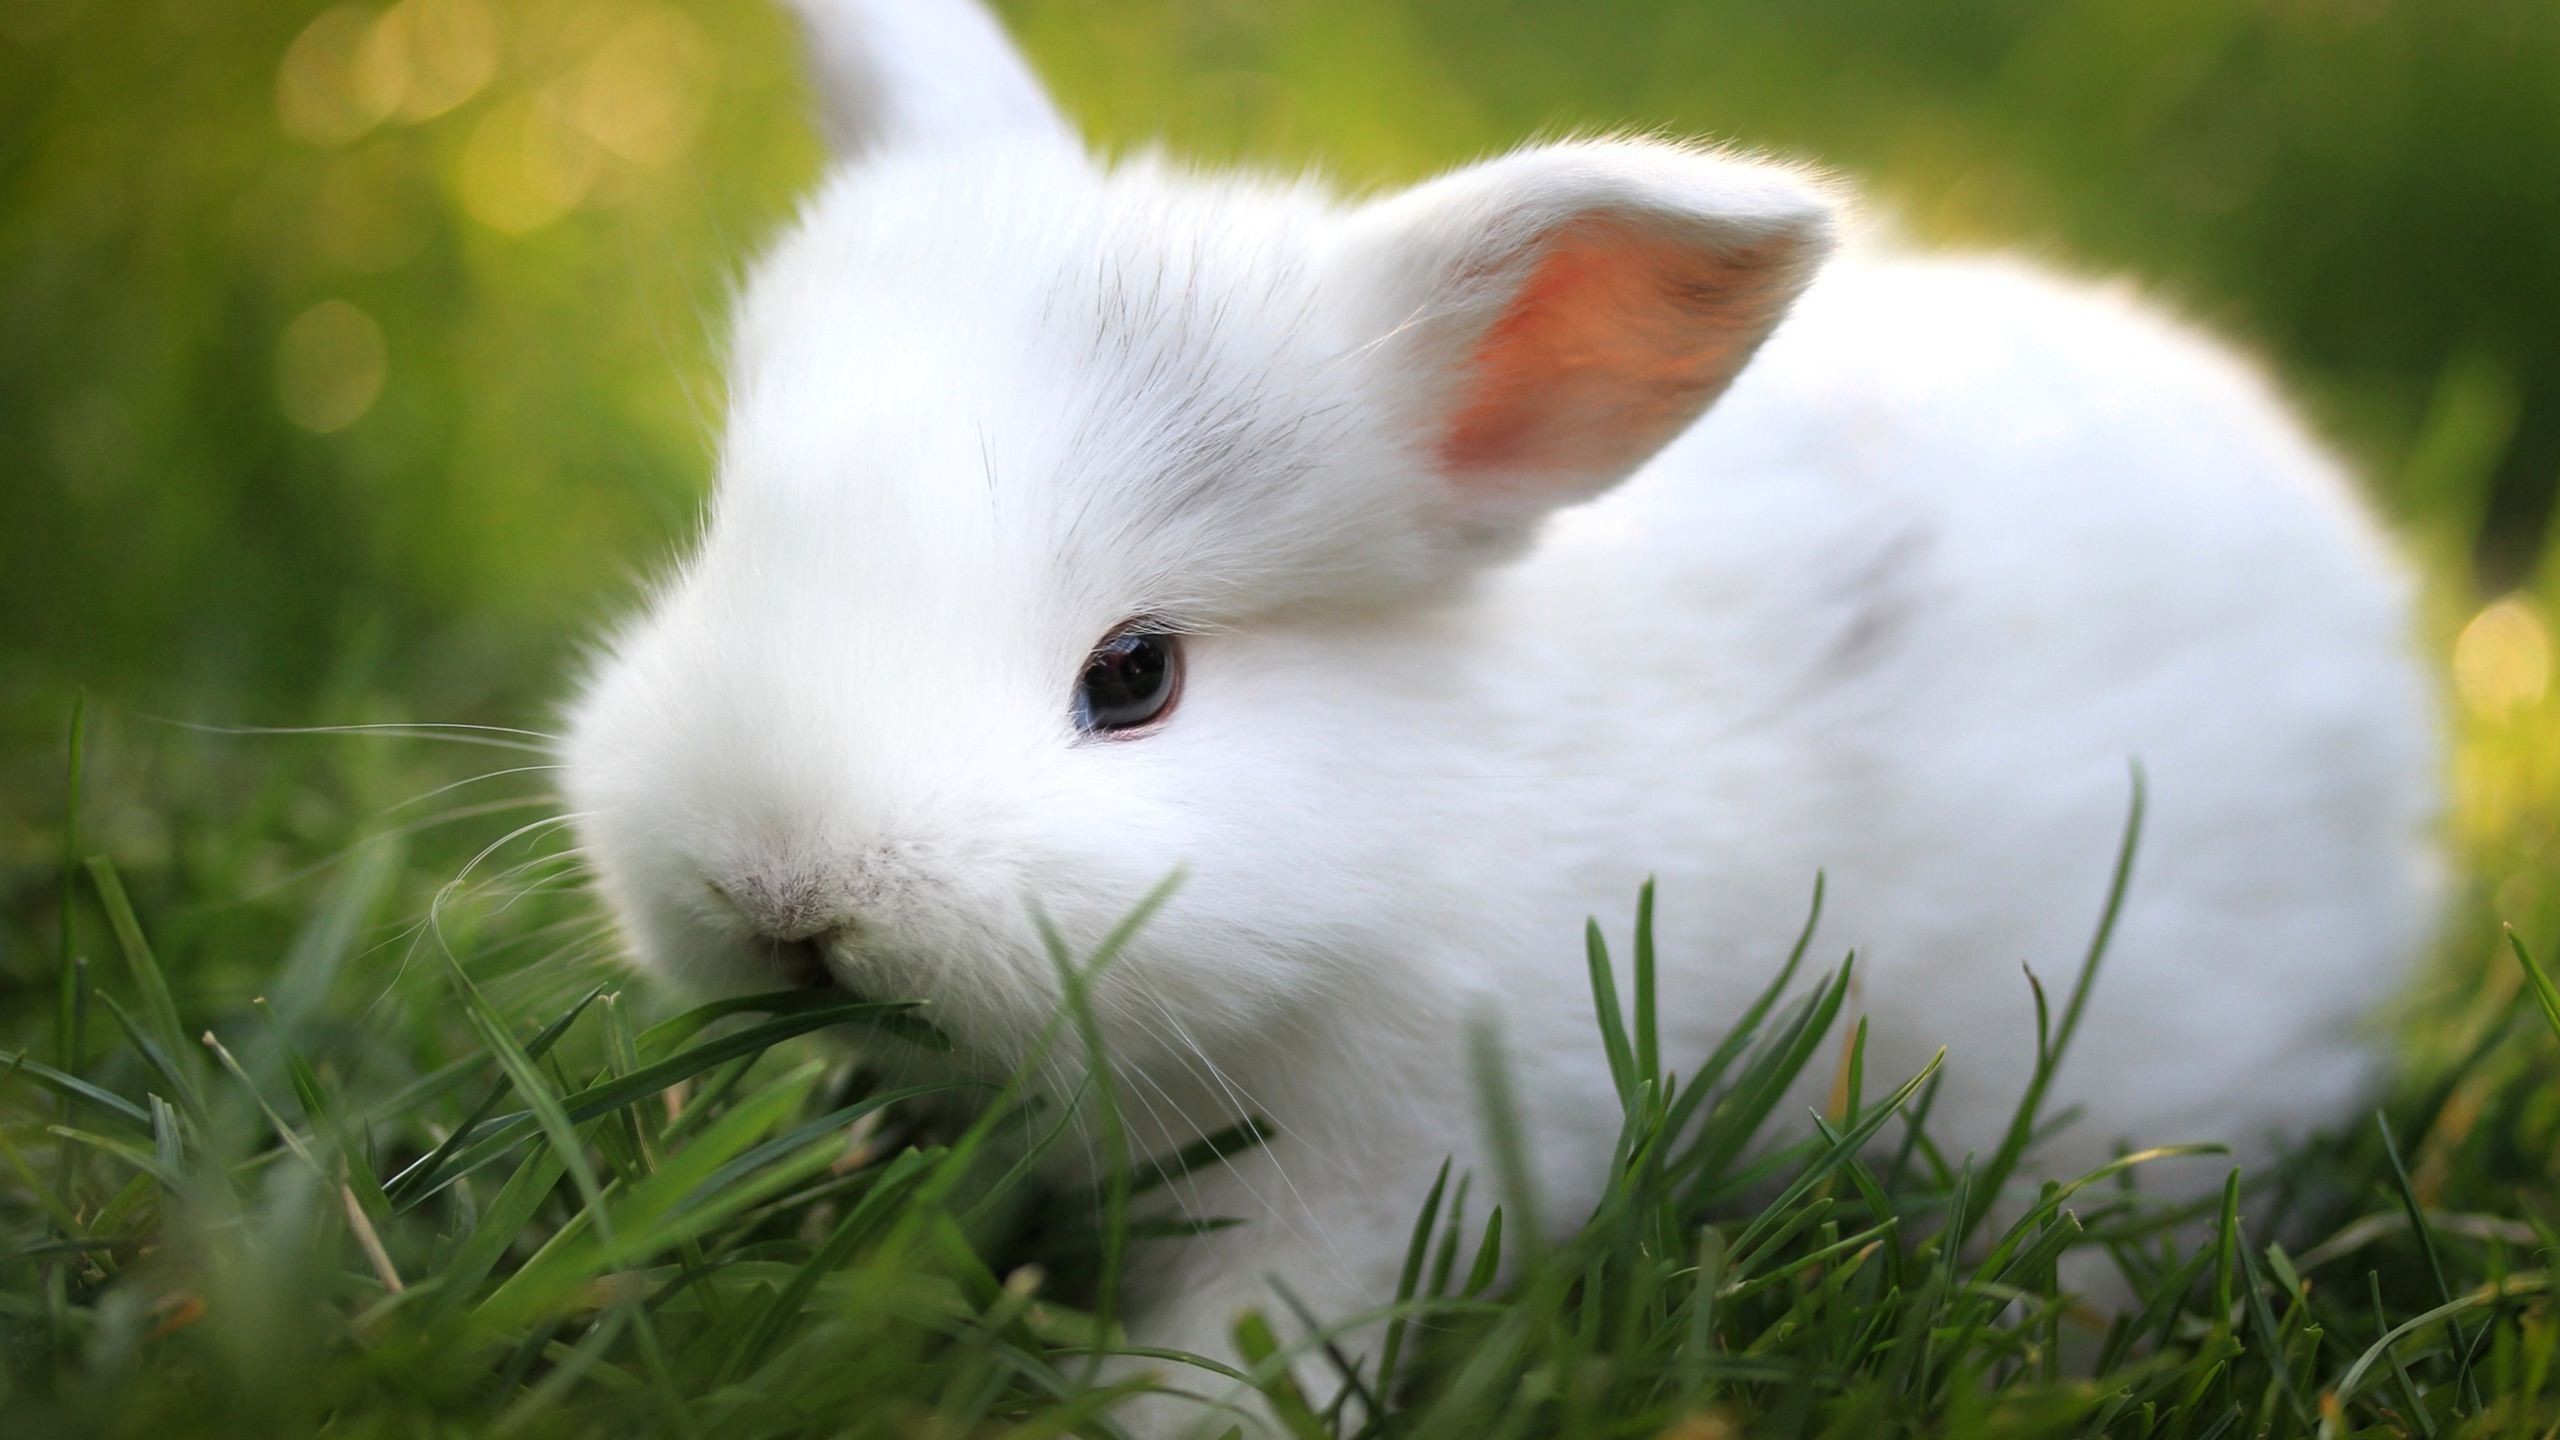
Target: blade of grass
[(1417, 1250), (1215, 1148), (606, 1096), (157, 1061), (63, 1218), (2424, 1230), (1838, 1153), (403, 1187), (2544, 994), (867, 1217), (548, 1113), (1735, 1123), (1498, 1111), (1613, 1019), (146, 1161), (457, 1280), (1648, 1028), (159, 1009), (351, 1165), (71, 980), (72, 1087), (2523, 1283), (2022, 1125)]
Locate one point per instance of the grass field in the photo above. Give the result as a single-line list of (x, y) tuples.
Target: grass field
[(355, 362)]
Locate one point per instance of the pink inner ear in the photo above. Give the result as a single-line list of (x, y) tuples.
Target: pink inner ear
[(1618, 338)]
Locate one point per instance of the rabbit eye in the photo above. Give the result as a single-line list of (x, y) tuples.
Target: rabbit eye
[(1129, 682)]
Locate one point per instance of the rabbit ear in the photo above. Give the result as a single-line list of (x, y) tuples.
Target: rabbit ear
[(1546, 321), (901, 72)]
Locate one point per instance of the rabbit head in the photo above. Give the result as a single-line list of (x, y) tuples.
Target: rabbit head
[(1077, 521)]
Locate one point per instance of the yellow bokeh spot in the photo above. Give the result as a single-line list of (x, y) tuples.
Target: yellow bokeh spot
[(641, 95), (330, 366), (325, 93), (424, 57), (2502, 659), (524, 167)]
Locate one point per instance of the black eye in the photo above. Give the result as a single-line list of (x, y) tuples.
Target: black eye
[(1129, 682)]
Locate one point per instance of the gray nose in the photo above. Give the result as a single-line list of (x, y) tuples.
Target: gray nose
[(794, 922), (787, 908)]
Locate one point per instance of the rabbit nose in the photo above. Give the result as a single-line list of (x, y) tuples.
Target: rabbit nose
[(795, 941), (799, 910)]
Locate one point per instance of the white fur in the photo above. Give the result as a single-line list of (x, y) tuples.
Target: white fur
[(908, 72), (1961, 542)]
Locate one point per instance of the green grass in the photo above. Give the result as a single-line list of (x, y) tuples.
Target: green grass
[(436, 1172)]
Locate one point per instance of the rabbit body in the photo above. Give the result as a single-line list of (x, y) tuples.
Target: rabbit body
[(1484, 625), (1863, 621)]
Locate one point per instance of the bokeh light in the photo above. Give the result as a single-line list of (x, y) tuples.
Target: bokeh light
[(326, 91), (525, 166), (642, 94), (330, 366), (431, 55), (2502, 659)]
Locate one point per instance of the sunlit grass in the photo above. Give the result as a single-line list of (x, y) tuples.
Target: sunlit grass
[(449, 1177)]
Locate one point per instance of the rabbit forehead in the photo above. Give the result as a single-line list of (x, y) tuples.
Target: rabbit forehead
[(1125, 384)]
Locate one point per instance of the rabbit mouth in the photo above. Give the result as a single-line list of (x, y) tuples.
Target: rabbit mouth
[(806, 964), (803, 965)]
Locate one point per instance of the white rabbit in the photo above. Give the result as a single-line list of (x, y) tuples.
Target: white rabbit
[(1382, 567)]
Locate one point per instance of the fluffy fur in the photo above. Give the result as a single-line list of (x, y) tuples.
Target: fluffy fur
[(1486, 625)]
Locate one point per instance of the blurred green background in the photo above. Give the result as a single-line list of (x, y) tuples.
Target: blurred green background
[(353, 358)]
